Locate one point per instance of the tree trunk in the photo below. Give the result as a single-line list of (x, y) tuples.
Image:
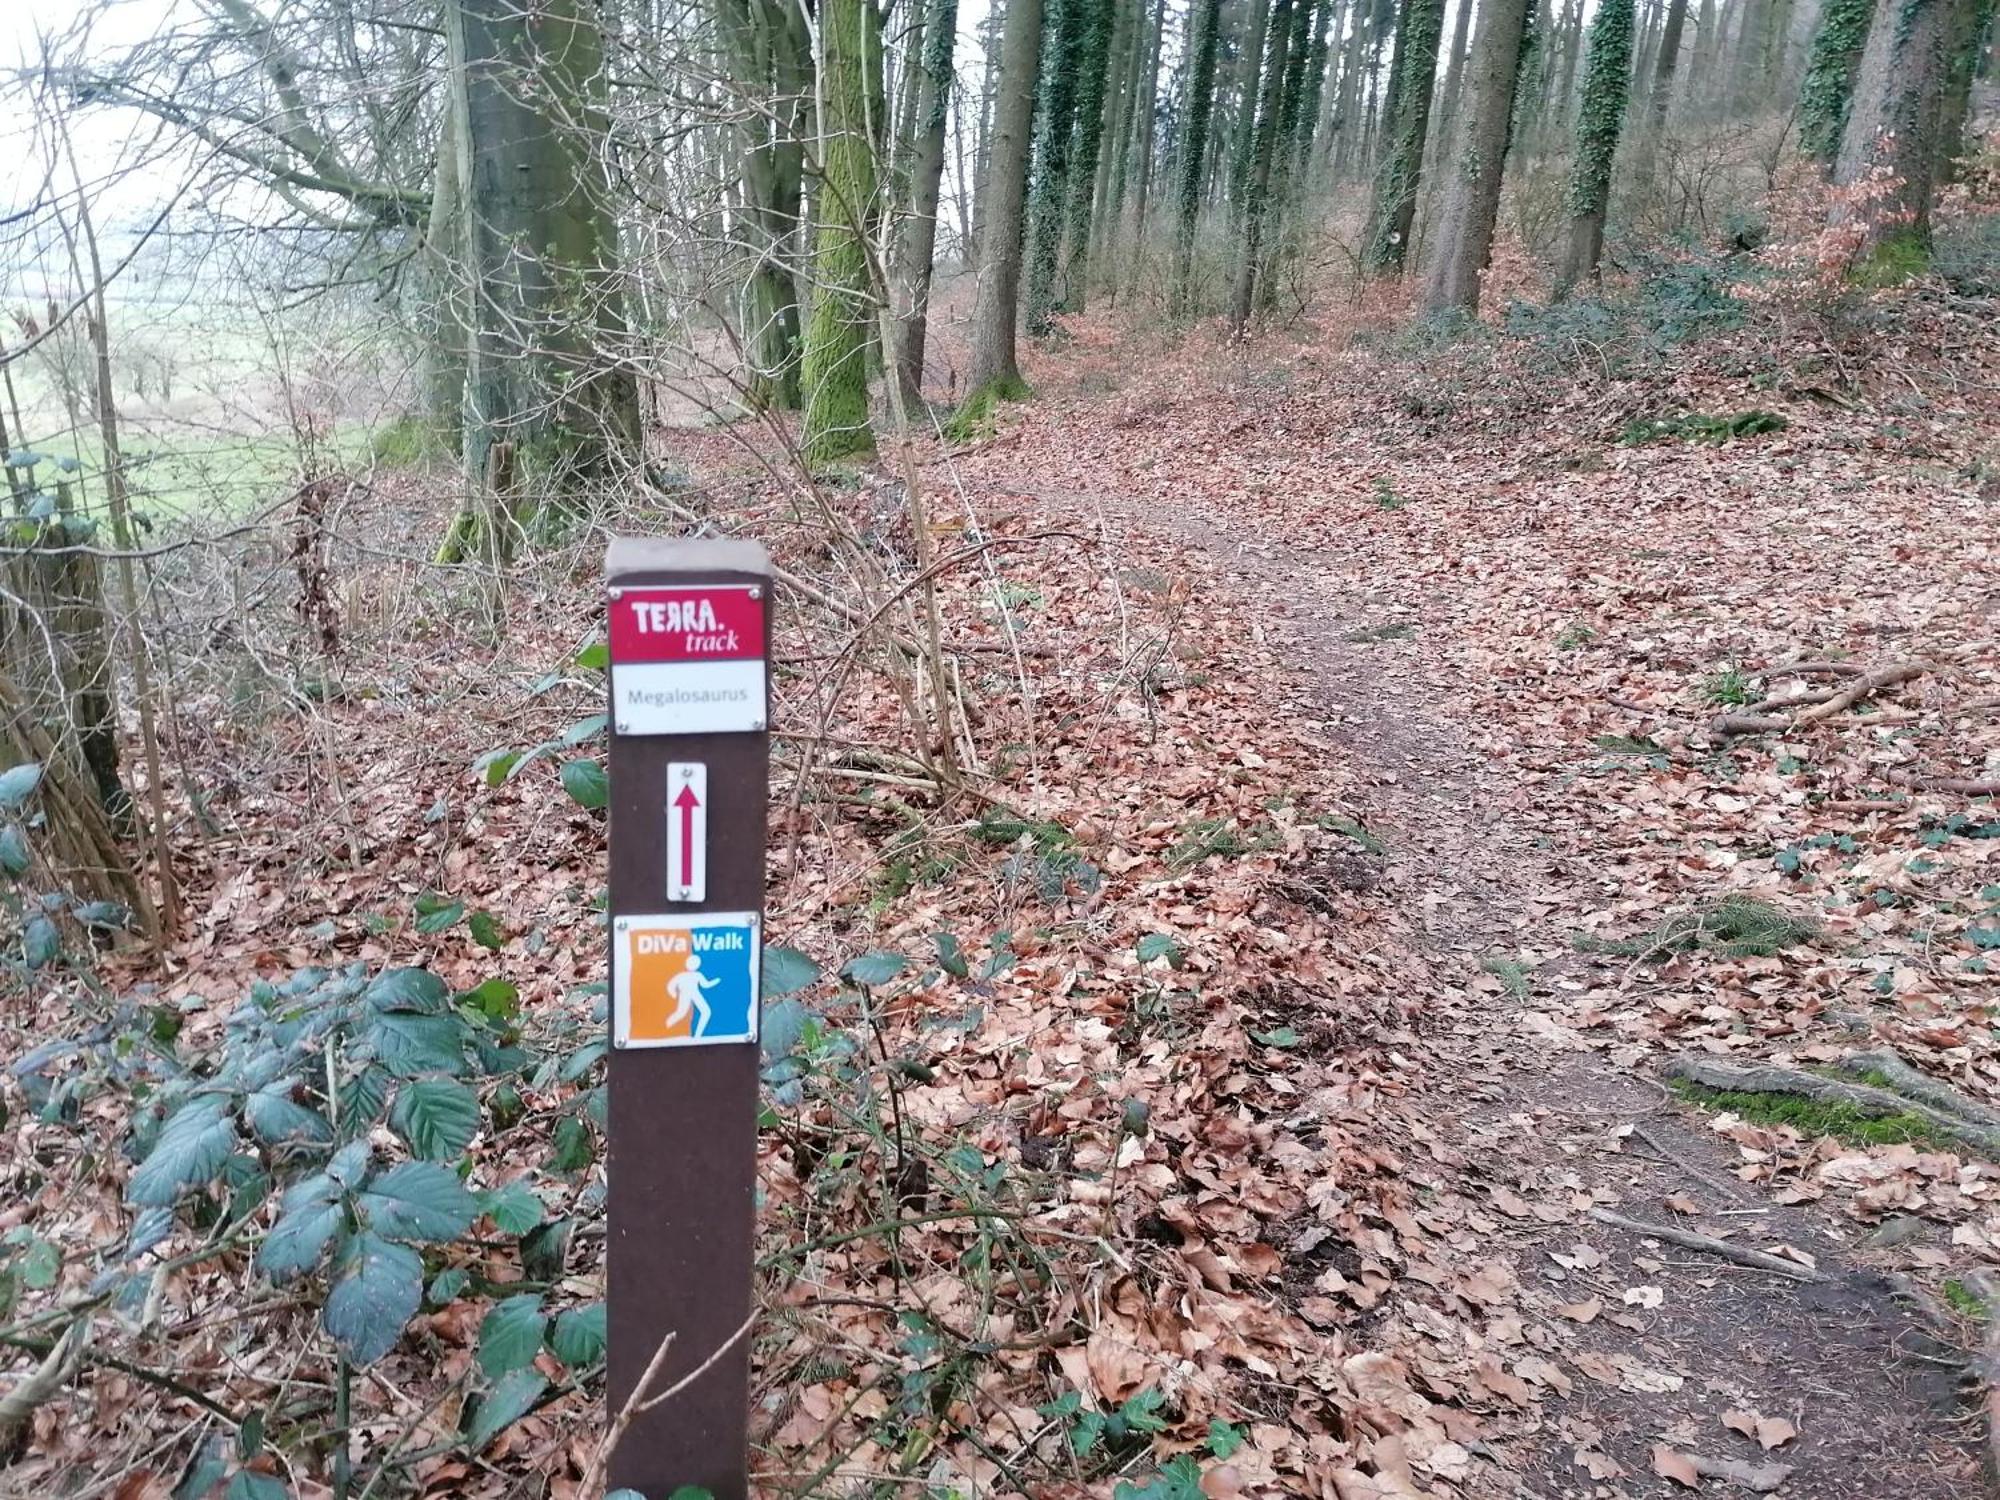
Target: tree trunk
[(543, 254), (1465, 237), (1827, 90), (1257, 186), (836, 352), (1093, 64), (1249, 71), (1906, 121), (1128, 45), (917, 244), (1606, 89), (995, 373), (446, 317), (1665, 60), (982, 156), (769, 52), (1395, 207), (1063, 41), (1204, 36), (1313, 89), (1145, 103)]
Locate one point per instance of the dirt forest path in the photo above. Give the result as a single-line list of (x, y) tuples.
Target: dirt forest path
[(1525, 1118)]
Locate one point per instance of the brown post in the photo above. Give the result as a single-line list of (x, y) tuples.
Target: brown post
[(689, 627)]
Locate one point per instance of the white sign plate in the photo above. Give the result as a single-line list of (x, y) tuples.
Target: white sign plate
[(687, 830)]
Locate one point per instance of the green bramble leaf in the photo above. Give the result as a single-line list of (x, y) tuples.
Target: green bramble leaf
[(513, 1396), (377, 1287), (510, 1336), (578, 1336), (586, 783), (438, 1117), (419, 1201)]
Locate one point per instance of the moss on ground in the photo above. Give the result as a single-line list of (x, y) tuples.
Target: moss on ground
[(1839, 1118)]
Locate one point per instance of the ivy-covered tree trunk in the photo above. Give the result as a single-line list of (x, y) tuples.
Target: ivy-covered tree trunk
[(1204, 35), (1397, 181), (769, 53), (1249, 71), (1132, 165), (1600, 117), (1829, 85), (1256, 191), (917, 244), (1666, 58), (543, 377), (1066, 25), (1127, 33), (1280, 195), (1465, 235), (995, 373), (1093, 64), (836, 349), (1312, 88), (1903, 127)]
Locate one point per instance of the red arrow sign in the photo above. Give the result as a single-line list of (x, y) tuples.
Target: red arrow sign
[(687, 802)]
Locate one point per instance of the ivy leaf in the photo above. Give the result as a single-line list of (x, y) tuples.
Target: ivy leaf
[(786, 971), (513, 1396), (1282, 1037), (377, 1288), (1180, 1479), (495, 999), (40, 942), (586, 783), (193, 1145), (510, 1336), (595, 657), (437, 1117), (18, 784), (872, 969), (578, 1337), (275, 1117), (1156, 945), (514, 1208), (486, 931), (416, 1200)]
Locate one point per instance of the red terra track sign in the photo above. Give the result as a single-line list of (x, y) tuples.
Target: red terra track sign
[(687, 660)]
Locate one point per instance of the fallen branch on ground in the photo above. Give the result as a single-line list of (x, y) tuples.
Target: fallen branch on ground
[(1864, 1099), (1687, 1239), (1773, 714), (1964, 785)]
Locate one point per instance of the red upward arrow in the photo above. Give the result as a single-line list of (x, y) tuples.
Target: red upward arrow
[(687, 802)]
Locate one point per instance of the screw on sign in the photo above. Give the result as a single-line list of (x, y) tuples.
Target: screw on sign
[(689, 626)]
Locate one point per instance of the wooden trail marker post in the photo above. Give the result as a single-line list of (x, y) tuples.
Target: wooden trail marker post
[(690, 771)]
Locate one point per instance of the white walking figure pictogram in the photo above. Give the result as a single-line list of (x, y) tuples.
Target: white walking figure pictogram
[(685, 990)]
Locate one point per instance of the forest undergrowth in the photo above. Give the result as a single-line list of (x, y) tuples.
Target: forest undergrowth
[(1096, 1155)]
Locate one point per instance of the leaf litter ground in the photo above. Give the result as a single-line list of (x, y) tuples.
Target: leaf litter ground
[(1248, 1115)]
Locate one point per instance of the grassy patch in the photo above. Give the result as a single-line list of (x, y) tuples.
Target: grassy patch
[(1351, 828), (1964, 1300), (1207, 836), (1740, 926), (1813, 1117), (1696, 427), (1386, 497), (1511, 972), (979, 412), (1728, 688)]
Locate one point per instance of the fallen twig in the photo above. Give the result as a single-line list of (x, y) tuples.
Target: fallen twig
[(1687, 1239), (1964, 785), (1816, 705)]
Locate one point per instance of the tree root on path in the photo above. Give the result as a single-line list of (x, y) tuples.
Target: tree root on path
[(1811, 707), (1942, 1111), (1742, 1255)]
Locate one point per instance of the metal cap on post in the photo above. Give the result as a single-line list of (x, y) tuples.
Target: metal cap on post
[(690, 623)]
